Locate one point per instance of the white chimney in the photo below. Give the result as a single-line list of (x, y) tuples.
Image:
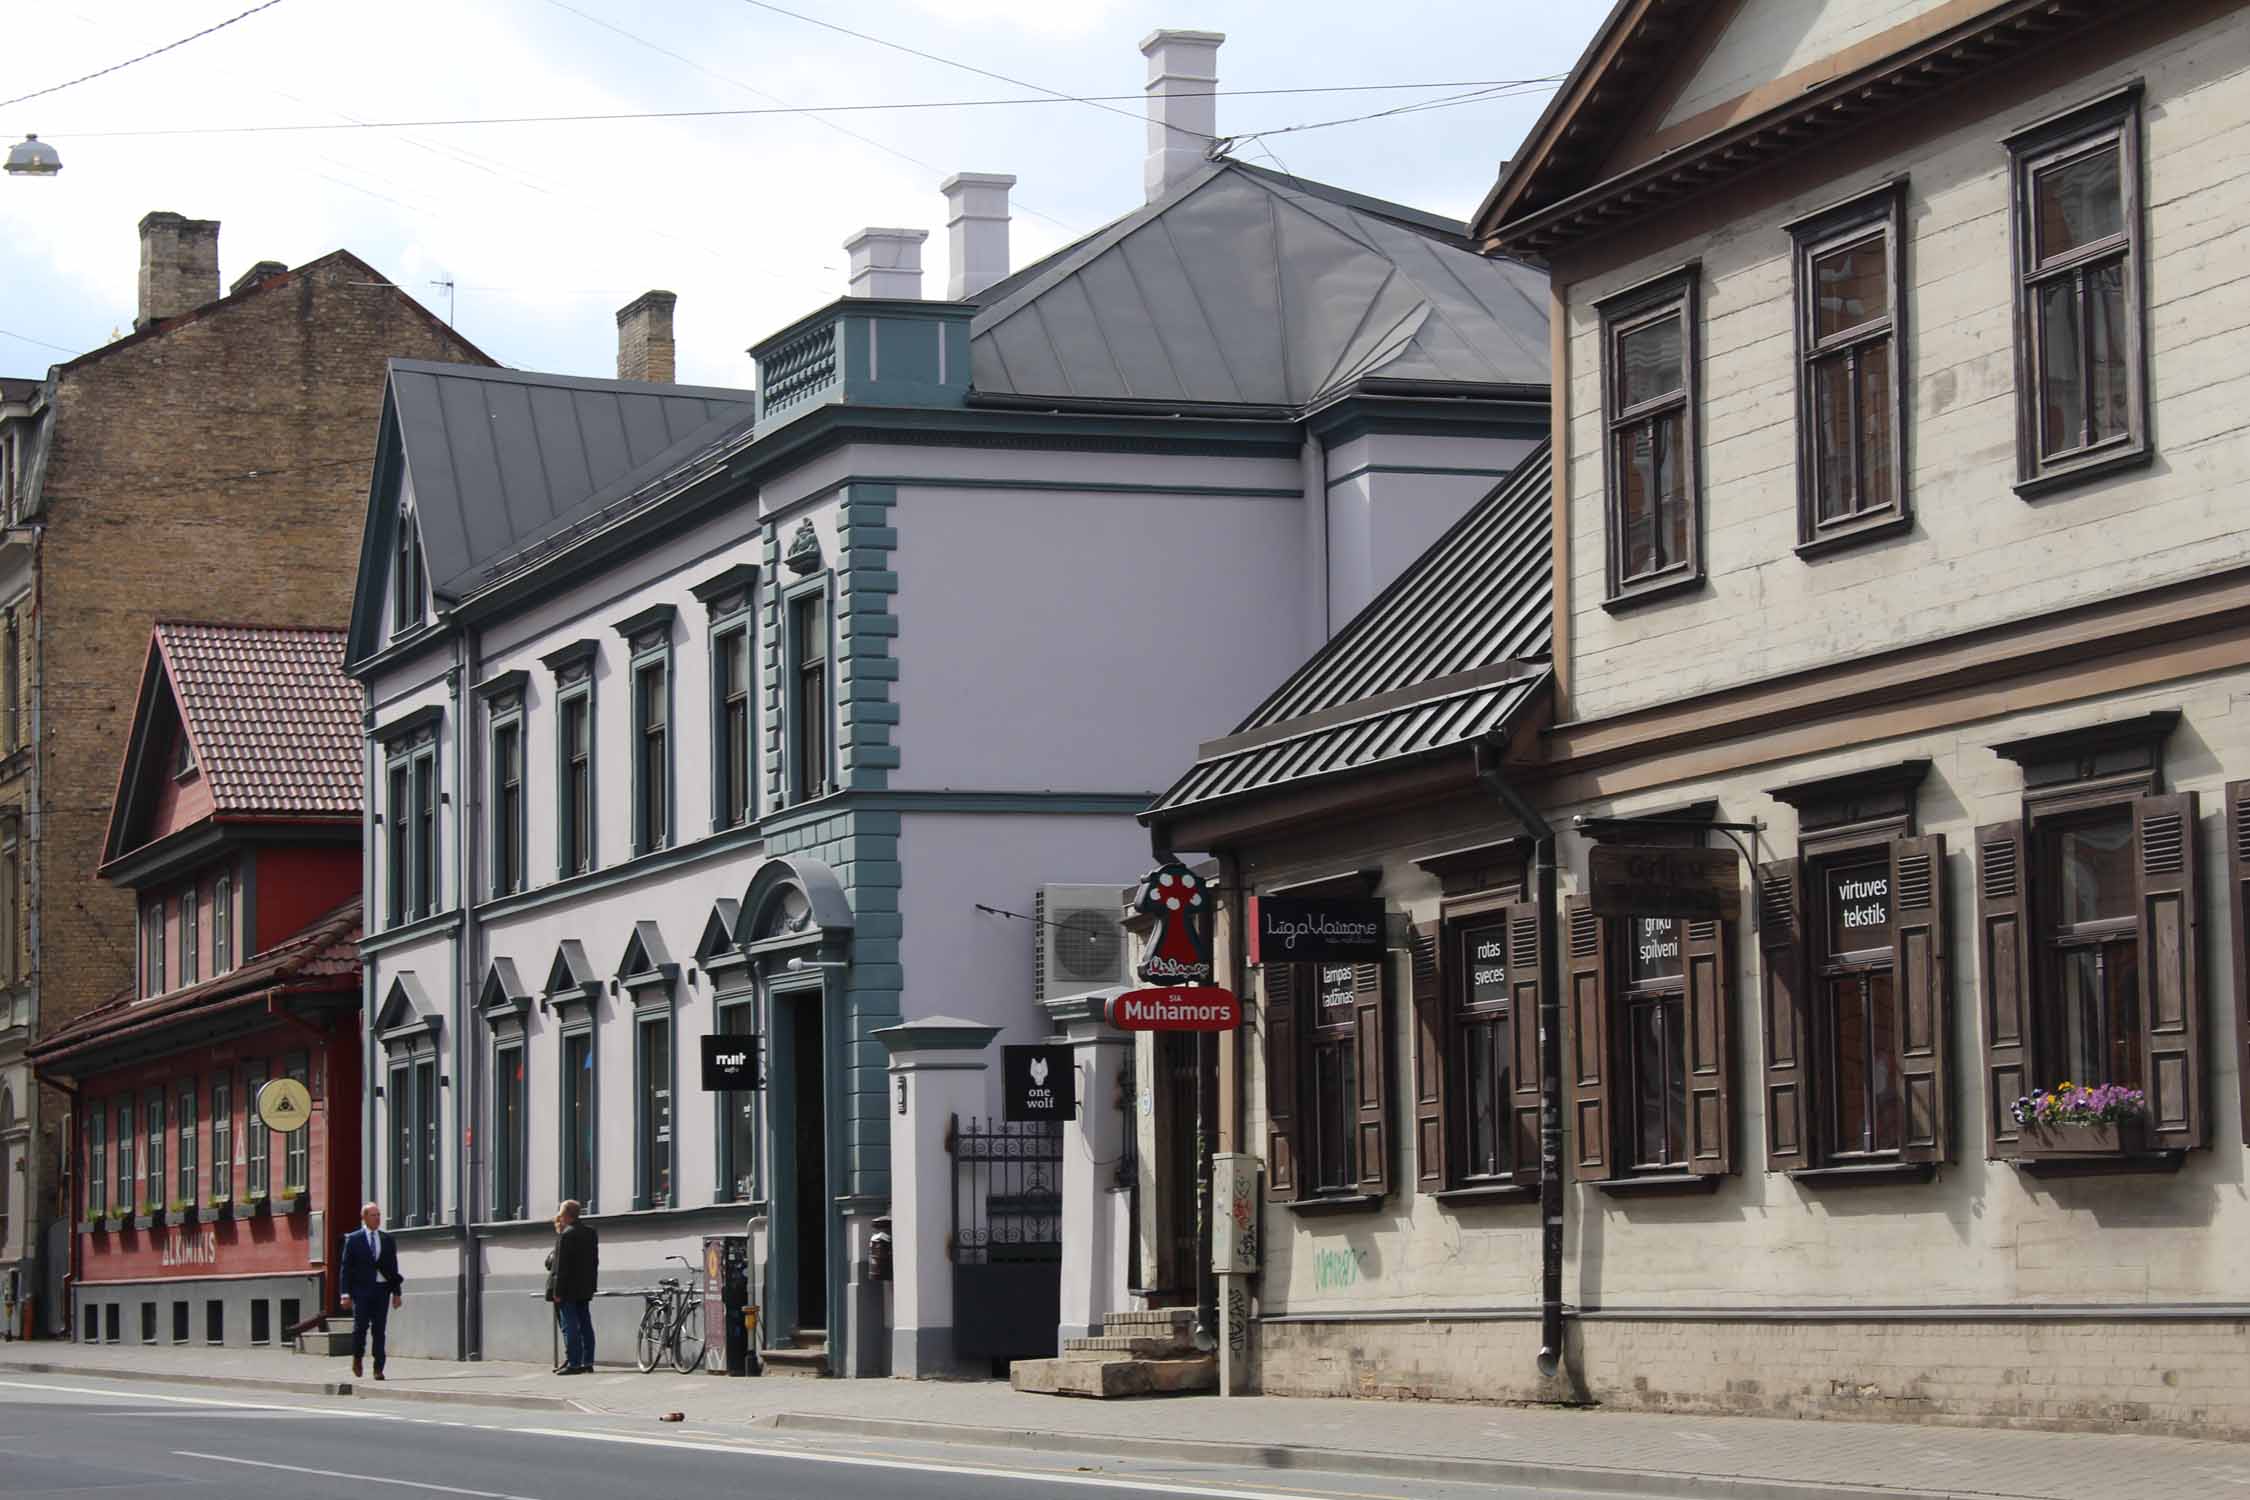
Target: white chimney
[(1183, 114), (976, 231), (886, 263)]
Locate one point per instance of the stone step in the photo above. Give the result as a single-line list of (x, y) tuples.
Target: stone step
[(807, 1359), (1132, 1323), (330, 1342), (1104, 1379), (1112, 1346)]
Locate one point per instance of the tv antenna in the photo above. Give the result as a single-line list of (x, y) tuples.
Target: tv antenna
[(447, 285)]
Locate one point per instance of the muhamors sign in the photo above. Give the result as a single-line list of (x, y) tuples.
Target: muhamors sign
[(1315, 929), (1187, 1008), (1631, 881)]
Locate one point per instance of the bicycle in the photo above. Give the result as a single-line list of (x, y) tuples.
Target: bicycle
[(672, 1322)]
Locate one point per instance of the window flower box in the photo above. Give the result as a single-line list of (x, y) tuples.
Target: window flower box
[(256, 1206), (180, 1211), (115, 1220), (147, 1216), (2070, 1121), (291, 1201)]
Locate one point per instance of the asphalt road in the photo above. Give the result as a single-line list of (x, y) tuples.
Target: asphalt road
[(117, 1440)]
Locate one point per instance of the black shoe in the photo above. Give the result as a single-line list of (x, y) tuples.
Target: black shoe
[(378, 1374), (356, 1371)]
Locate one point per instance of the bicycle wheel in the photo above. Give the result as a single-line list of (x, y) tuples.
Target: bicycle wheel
[(687, 1336), (649, 1347)]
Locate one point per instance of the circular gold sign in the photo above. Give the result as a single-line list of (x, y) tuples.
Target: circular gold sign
[(285, 1105)]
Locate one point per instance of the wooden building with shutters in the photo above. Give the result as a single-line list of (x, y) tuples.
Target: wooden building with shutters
[(1894, 542)]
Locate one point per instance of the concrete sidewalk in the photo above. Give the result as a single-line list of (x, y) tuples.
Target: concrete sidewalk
[(1749, 1458)]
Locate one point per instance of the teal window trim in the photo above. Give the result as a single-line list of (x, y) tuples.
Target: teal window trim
[(222, 1136), (653, 748), (414, 790), (734, 633), (795, 695), (577, 820), (127, 1178), (186, 1169), (579, 1180), (738, 1181), (155, 1183), (511, 1138), (409, 575)]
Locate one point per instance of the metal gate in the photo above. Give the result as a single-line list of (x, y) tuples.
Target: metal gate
[(1007, 1237)]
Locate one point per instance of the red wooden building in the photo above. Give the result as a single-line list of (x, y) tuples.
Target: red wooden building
[(236, 826)]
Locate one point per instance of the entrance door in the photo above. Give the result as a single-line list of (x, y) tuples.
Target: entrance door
[(808, 1112)]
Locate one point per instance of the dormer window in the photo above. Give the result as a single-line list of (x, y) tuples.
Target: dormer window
[(183, 755), (409, 579)]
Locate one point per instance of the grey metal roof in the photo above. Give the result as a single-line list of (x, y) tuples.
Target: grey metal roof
[(500, 460), (1248, 286), (1451, 651)]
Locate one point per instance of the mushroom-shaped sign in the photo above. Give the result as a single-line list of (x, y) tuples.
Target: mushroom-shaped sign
[(1179, 949)]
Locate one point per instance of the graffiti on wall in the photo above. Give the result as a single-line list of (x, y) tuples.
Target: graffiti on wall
[(1338, 1270)]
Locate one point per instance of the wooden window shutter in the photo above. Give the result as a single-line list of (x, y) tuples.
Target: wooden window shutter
[(1523, 1033), (2238, 922), (1708, 959), (2171, 974), (1280, 981), (1918, 970), (1371, 1058), (1786, 1009), (1430, 1063), (2003, 952), (1586, 973)]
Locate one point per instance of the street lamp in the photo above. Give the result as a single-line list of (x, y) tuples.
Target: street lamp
[(33, 157)]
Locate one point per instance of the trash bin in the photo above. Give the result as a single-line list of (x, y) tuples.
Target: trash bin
[(726, 1298)]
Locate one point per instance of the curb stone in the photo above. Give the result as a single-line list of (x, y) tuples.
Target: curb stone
[(301, 1387), (1516, 1473)]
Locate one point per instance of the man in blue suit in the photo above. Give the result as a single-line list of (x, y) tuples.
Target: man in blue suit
[(368, 1273)]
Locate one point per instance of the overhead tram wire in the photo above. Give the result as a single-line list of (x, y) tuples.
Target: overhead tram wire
[(1481, 90), (144, 57), (817, 118), (1509, 89)]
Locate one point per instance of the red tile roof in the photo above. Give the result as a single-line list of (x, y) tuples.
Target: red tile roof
[(321, 958), (275, 723)]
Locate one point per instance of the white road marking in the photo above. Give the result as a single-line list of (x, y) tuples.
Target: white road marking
[(925, 1466), (412, 1484)]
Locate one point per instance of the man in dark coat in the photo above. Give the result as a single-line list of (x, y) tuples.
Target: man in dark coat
[(368, 1273), (577, 1268)]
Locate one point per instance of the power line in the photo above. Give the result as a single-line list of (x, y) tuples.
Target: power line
[(144, 57), (28, 339), (1482, 87), (1507, 90)]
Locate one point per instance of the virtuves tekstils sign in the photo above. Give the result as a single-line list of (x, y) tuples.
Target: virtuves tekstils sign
[(1629, 880), (1316, 929)]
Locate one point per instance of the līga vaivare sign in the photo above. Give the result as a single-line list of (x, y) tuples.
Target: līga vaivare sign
[(1179, 943), (1316, 929)]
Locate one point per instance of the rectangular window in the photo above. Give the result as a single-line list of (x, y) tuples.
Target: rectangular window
[(578, 1116), (738, 1116), (655, 1122), (222, 1139), (214, 1322), (399, 839), (296, 1145), (1851, 394), (1334, 1101), (11, 903), (11, 681), (811, 708), (1484, 1046), (1655, 1059), (188, 1170), (222, 924), (97, 1162), (2088, 1016), (1649, 370), (155, 1187), (2080, 322), (428, 1126), (507, 807), (652, 756), (425, 835), (398, 1097), (148, 1322), (261, 1322), (257, 1140), (128, 1180), (732, 684), (577, 756), (510, 1132), (152, 948), (179, 1322), (191, 946), (407, 583)]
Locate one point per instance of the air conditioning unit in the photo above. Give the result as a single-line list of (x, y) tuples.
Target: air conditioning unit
[(1079, 943)]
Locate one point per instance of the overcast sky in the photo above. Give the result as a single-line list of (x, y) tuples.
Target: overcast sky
[(546, 229)]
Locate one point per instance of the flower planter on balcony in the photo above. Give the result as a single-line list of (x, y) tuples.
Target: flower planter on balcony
[(2084, 1140), (144, 1221), (289, 1205)]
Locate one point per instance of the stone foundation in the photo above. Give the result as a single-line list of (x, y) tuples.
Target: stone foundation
[(2172, 1376)]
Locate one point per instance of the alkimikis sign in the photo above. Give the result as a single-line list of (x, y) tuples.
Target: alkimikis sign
[(1179, 948)]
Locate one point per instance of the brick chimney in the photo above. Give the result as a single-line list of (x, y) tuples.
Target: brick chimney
[(1183, 115), (976, 231), (179, 266), (886, 263), (644, 338)]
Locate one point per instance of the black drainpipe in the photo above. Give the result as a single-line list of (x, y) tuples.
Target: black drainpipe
[(1488, 758)]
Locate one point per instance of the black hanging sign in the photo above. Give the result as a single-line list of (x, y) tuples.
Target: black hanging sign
[(1316, 929), (730, 1064), (1038, 1083)]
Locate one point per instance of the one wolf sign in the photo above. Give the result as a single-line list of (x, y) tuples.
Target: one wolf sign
[(1179, 945), (1040, 1083)]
